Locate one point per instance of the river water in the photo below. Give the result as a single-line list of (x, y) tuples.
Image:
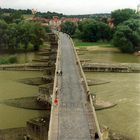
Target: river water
[(22, 57), (10, 88), (110, 57), (11, 117), (123, 89)]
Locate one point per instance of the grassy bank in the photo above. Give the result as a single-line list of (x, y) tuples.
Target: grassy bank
[(78, 43)]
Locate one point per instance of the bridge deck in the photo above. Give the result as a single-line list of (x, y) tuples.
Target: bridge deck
[(73, 114), (75, 118)]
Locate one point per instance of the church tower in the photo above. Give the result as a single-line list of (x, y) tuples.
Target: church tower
[(138, 8)]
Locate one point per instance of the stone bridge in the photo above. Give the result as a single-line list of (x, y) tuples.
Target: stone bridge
[(73, 115)]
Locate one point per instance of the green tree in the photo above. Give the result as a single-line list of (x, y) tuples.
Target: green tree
[(16, 17), (47, 29), (13, 36), (38, 35), (127, 36), (122, 15), (3, 34), (25, 33), (68, 27), (93, 31), (7, 18)]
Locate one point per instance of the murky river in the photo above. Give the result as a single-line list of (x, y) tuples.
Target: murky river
[(11, 88), (22, 57), (123, 89), (110, 57)]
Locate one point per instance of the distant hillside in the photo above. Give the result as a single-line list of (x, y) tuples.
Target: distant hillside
[(49, 14)]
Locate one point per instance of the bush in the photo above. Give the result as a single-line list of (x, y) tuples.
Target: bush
[(3, 61), (12, 59), (68, 27), (93, 31), (127, 36), (8, 60), (122, 15), (13, 36)]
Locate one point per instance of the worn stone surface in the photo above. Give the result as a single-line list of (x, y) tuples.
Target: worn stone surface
[(37, 128), (107, 67), (73, 121)]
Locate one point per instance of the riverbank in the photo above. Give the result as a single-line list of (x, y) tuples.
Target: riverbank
[(122, 88), (21, 55), (80, 44), (103, 52)]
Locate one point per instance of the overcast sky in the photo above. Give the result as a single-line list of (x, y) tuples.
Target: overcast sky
[(71, 6)]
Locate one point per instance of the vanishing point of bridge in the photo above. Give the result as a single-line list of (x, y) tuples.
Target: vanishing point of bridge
[(74, 117)]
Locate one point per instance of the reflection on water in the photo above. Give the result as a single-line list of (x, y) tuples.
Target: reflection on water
[(25, 57), (22, 57), (110, 57), (124, 89), (11, 88)]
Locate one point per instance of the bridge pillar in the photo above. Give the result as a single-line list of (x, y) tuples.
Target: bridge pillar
[(37, 128)]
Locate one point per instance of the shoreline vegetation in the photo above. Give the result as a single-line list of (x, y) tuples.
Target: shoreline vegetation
[(98, 46), (11, 57), (121, 29), (79, 43), (95, 46)]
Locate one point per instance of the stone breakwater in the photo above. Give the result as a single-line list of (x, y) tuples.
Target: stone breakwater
[(111, 67)]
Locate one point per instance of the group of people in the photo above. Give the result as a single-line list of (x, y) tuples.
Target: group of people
[(59, 72)]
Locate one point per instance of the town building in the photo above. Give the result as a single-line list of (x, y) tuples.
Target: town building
[(138, 8), (55, 22)]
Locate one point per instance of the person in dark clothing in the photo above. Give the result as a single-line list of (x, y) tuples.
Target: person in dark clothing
[(61, 72), (96, 136)]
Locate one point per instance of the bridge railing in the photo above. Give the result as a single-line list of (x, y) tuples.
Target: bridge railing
[(87, 89), (51, 132)]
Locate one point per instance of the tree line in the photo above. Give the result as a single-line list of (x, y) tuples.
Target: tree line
[(9, 10), (15, 17), (23, 35), (17, 33), (50, 15), (125, 34)]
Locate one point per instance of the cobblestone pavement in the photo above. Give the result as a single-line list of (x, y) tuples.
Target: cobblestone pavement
[(73, 121)]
